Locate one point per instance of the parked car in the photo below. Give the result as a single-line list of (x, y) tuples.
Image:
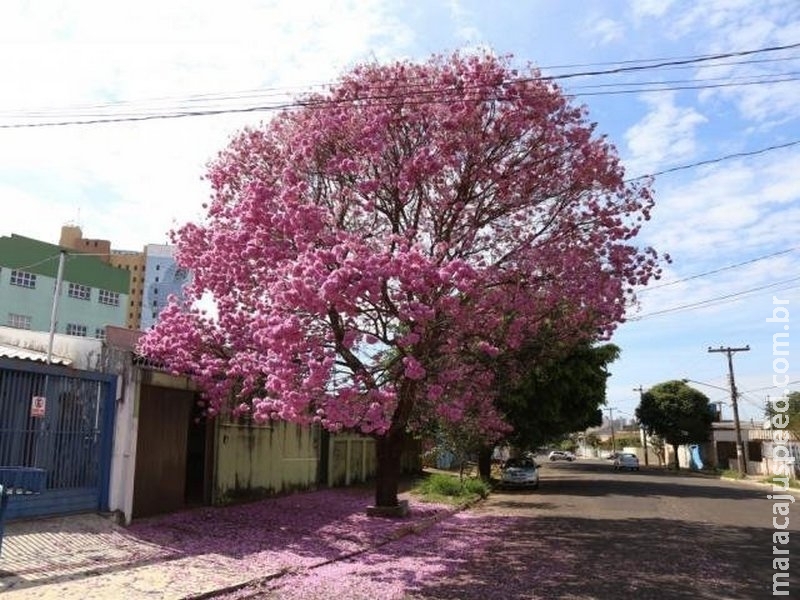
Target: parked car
[(626, 460), (561, 455), (520, 472)]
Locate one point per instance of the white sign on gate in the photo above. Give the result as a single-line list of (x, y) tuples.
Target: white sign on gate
[(38, 404)]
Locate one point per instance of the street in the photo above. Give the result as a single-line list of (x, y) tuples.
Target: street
[(587, 533), (648, 534)]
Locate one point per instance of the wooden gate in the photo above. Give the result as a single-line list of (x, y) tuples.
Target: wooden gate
[(59, 420)]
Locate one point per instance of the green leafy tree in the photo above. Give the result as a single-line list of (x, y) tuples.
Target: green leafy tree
[(558, 396), (792, 412), (547, 391), (677, 412)]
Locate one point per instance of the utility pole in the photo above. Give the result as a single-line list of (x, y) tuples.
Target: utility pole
[(640, 389), (741, 457), (54, 312), (610, 410)]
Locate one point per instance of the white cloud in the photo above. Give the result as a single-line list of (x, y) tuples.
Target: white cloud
[(650, 8), (665, 136), (607, 30), (736, 207), (463, 19), (146, 175), (721, 26)]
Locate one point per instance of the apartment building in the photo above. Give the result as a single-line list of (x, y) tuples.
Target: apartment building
[(93, 293), (130, 260)]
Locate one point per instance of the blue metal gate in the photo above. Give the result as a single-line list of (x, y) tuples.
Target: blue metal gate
[(59, 420)]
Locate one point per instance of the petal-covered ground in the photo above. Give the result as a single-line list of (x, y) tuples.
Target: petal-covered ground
[(395, 571), (283, 533)]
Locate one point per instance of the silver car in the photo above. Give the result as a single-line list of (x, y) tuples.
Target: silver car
[(561, 455), (625, 460), (520, 472)]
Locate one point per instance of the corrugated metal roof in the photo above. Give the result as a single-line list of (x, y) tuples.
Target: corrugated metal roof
[(7, 351)]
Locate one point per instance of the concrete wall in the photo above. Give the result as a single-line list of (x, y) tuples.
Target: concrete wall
[(123, 458), (254, 461), (652, 457), (352, 459)]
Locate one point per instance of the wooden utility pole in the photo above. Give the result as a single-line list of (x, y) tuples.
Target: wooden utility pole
[(610, 410), (740, 451), (640, 389)]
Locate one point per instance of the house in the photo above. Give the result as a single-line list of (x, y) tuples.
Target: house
[(168, 456), (758, 441), (114, 433), (93, 294)]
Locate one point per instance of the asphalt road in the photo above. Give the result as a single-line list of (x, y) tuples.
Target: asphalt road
[(587, 533), (602, 534)]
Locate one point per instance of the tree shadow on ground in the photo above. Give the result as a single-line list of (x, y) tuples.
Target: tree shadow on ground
[(515, 558), (647, 482)]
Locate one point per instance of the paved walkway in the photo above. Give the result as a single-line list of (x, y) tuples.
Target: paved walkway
[(194, 553)]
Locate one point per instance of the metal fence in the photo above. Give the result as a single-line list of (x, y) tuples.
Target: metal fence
[(59, 420)]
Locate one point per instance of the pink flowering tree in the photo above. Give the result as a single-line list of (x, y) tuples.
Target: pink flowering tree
[(371, 250)]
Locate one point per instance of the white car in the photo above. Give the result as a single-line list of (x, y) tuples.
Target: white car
[(561, 455), (626, 460), (520, 472)]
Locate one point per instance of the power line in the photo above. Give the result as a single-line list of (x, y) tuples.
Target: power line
[(678, 88), (712, 301), (636, 61), (286, 91), (719, 159), (322, 104), (408, 90), (719, 270), (690, 60), (743, 80)]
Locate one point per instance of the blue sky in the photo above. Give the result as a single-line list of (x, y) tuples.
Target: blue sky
[(731, 225)]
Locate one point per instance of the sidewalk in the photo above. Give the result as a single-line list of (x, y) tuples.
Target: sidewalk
[(194, 553)]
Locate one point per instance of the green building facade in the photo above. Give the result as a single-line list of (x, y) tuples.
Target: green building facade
[(93, 293)]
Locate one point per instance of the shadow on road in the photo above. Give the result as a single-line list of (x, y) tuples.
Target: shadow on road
[(547, 558), (590, 479)]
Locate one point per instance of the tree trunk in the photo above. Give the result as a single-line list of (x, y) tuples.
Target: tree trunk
[(388, 454), (677, 459), (485, 463)]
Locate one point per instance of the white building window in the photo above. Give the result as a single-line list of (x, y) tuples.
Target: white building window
[(23, 279), (100, 333), (81, 292), (19, 321), (110, 298), (75, 329)]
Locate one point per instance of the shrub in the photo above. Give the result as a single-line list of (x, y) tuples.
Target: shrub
[(439, 485)]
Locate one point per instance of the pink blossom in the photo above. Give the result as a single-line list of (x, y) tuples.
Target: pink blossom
[(450, 230)]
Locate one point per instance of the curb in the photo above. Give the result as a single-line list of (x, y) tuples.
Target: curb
[(755, 482)]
